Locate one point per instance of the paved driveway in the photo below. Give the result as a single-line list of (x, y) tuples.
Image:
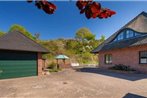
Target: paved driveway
[(89, 83)]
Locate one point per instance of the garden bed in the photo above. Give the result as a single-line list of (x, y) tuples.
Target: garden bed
[(123, 69)]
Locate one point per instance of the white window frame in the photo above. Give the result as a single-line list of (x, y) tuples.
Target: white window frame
[(108, 59), (143, 57)]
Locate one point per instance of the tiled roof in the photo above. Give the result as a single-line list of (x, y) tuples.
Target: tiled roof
[(126, 43), (17, 41)]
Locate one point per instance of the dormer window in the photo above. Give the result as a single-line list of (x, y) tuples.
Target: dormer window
[(125, 34), (120, 36), (129, 33)]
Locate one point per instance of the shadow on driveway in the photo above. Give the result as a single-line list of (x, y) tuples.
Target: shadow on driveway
[(129, 95), (127, 76)]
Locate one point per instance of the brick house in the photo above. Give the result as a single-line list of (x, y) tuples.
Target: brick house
[(127, 46), (20, 56)]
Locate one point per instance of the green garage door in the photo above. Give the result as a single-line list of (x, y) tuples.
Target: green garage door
[(17, 64)]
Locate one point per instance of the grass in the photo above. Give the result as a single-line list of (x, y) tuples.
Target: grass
[(55, 70)]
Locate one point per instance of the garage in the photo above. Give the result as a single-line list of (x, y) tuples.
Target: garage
[(17, 64), (20, 56)]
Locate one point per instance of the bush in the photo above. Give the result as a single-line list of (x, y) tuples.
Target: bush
[(52, 65), (122, 67)]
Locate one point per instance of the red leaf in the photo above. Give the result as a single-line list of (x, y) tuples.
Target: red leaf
[(103, 15), (29, 1), (52, 5), (38, 4), (48, 7), (94, 15), (95, 9), (81, 4), (88, 14), (82, 11)]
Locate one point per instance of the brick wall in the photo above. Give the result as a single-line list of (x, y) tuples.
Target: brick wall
[(126, 56), (40, 64)]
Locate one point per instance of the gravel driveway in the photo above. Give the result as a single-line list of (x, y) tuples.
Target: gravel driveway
[(89, 83)]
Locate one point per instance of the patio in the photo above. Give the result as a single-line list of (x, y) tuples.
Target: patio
[(93, 83)]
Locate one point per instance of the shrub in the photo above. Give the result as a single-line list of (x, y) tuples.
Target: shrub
[(52, 65), (122, 68)]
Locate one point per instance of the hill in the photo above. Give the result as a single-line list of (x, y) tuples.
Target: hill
[(77, 49)]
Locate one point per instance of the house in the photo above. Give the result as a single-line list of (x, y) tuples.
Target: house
[(127, 46), (20, 56)]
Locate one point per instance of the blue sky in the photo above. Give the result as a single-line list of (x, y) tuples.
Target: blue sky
[(66, 20)]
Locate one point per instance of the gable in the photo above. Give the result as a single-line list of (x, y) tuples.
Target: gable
[(127, 34), (138, 24)]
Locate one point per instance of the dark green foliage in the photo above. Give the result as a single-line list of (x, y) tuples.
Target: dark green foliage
[(122, 67)]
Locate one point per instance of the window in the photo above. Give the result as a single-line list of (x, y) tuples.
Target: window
[(115, 39), (143, 57), (129, 33), (137, 34), (125, 34), (108, 58), (120, 36)]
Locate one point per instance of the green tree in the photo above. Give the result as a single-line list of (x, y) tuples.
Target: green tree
[(20, 28), (84, 34), (102, 39), (1, 33)]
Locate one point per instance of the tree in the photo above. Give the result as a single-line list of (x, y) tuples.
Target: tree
[(17, 27), (37, 35), (102, 38), (91, 8), (1, 33), (84, 34)]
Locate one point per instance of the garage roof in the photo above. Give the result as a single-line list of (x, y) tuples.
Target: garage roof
[(17, 41)]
